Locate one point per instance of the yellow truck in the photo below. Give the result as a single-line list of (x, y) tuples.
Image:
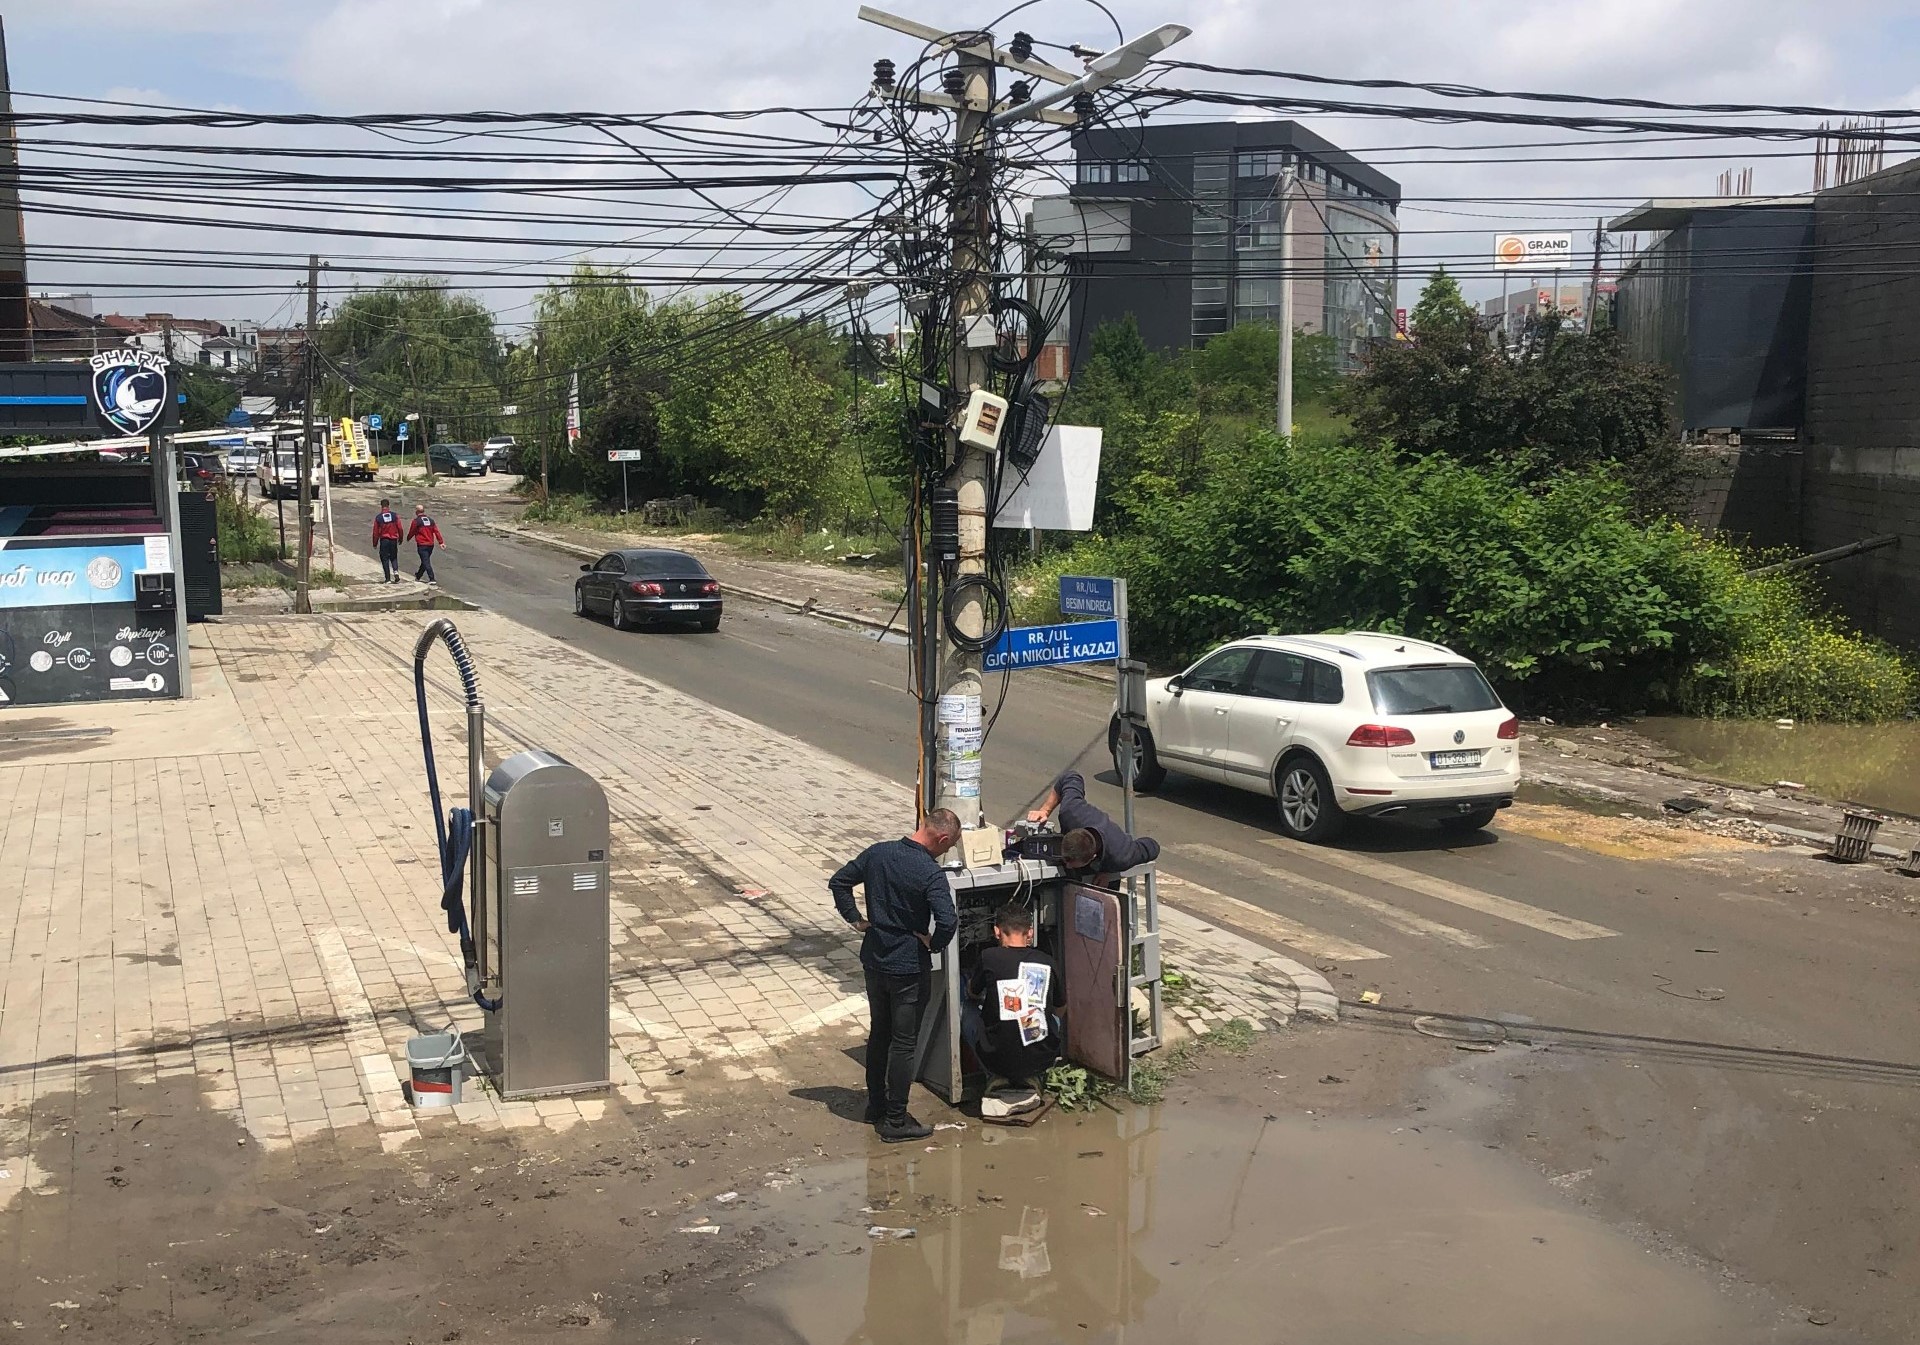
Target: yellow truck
[(348, 457)]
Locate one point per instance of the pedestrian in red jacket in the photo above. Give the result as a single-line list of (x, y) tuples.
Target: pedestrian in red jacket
[(386, 540), (424, 533)]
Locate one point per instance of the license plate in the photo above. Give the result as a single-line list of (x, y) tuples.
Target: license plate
[(1453, 761), (685, 607)]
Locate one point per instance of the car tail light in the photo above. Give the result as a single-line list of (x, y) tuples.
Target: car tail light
[(710, 587), (646, 589), (1510, 728), (1380, 735)]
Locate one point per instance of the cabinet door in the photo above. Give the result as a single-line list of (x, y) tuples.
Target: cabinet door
[(1093, 939)]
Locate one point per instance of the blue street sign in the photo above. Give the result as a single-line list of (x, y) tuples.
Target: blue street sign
[(401, 433), (1043, 646), (373, 424), (1081, 596)]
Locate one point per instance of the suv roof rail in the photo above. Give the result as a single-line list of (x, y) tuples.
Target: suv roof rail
[(1403, 639), (1312, 643)]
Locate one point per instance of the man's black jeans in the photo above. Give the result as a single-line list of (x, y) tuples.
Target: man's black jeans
[(894, 1006)]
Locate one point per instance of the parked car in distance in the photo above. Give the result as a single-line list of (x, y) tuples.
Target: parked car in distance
[(456, 460), (499, 453), (652, 587), (278, 473), (241, 461), (1334, 727), (199, 469)]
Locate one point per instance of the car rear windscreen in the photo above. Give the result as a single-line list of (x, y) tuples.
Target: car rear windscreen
[(667, 562), (1442, 688)]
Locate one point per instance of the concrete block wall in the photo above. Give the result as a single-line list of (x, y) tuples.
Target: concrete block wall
[(1861, 473)]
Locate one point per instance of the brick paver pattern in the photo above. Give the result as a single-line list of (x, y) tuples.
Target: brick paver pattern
[(267, 920)]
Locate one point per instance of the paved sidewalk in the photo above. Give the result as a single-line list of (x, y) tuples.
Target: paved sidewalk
[(243, 888)]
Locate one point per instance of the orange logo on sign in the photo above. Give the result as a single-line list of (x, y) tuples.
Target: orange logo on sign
[(1510, 248)]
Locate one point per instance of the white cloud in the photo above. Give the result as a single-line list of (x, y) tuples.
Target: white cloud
[(366, 55)]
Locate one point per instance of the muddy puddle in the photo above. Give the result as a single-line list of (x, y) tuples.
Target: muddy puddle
[(1202, 1223), (1872, 764)]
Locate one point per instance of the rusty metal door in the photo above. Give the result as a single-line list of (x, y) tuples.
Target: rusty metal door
[(1093, 940)]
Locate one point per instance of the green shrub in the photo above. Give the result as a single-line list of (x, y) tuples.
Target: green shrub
[(1790, 658), (1550, 584), (245, 536)]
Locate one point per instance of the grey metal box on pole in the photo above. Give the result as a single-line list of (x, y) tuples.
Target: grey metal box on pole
[(545, 926)]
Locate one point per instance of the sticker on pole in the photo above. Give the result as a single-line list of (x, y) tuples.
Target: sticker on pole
[(1051, 646)]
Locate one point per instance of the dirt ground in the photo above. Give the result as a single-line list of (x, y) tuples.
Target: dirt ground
[(748, 1217)]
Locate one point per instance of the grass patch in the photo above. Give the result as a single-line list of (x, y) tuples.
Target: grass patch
[(779, 541), (1076, 1089)]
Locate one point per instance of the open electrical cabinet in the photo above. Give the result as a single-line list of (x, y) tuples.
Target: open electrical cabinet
[(1106, 944)]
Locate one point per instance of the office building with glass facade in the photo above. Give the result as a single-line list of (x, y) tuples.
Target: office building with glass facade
[(1179, 225)]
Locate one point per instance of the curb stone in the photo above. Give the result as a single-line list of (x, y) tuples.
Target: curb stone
[(1313, 993)]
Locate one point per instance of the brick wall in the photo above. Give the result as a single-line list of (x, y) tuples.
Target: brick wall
[(1862, 468)]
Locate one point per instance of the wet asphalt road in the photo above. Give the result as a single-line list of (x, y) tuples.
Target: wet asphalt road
[(1726, 1052)]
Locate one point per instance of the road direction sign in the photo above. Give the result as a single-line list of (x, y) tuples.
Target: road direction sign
[(1050, 646), (1083, 596), (373, 424), (625, 454)]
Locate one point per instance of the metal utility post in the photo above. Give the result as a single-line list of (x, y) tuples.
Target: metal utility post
[(1283, 417), (302, 599), (971, 219)]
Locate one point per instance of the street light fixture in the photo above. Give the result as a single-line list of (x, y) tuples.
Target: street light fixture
[(1122, 62)]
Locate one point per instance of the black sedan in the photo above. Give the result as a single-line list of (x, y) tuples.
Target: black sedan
[(647, 588)]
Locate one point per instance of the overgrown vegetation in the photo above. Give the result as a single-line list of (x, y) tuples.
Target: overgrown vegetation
[(1549, 401), (1074, 1088), (245, 535), (1509, 501)]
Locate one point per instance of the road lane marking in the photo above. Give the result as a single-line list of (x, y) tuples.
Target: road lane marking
[(1385, 912), (1501, 908), (1261, 923)]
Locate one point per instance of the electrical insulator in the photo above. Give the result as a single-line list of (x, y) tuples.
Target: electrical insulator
[(883, 74), (943, 511), (954, 81), (1021, 47), (1021, 93), (1083, 106)]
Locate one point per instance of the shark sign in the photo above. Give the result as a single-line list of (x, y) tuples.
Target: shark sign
[(130, 389)]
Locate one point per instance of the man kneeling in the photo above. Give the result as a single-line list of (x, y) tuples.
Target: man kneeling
[(1013, 999)]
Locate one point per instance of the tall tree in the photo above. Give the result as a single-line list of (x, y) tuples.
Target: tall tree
[(1551, 400), (413, 345)]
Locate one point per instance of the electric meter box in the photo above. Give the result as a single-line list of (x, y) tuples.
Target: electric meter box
[(547, 898), (985, 416)]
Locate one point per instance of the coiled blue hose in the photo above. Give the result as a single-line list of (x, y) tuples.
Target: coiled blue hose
[(454, 829)]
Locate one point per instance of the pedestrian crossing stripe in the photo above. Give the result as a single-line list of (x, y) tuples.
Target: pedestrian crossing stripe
[(1471, 898), (1263, 924)]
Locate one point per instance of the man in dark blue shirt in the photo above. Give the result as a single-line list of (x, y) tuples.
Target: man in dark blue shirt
[(1094, 847), (909, 917)]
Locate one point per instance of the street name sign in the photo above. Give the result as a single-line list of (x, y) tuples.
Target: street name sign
[(625, 454), (1051, 646), (1081, 595)]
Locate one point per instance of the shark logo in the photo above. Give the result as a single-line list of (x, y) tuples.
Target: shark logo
[(130, 389)]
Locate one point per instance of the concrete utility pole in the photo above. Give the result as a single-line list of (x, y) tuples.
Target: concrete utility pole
[(971, 220), (302, 599), (1593, 290), (1283, 417), (970, 470)]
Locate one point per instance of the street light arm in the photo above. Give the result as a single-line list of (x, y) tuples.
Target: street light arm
[(1123, 62)]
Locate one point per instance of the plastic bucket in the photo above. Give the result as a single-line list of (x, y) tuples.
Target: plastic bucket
[(438, 1063)]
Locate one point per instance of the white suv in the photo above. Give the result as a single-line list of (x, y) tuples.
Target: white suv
[(1336, 726)]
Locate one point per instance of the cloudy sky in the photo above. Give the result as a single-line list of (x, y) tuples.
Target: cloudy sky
[(356, 56)]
